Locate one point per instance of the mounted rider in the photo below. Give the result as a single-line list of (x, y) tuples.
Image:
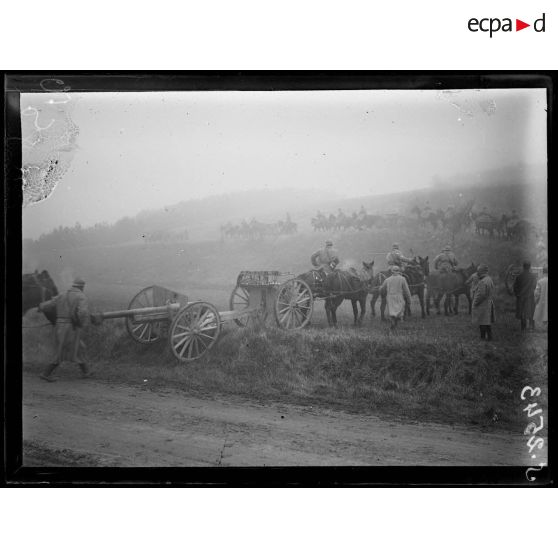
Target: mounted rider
[(396, 257), (445, 261), (325, 259)]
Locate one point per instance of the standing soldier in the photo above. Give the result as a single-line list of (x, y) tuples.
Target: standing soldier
[(472, 283), (397, 294), (541, 298), (524, 290), (72, 315), (483, 303), (325, 259), (396, 257), (445, 261)]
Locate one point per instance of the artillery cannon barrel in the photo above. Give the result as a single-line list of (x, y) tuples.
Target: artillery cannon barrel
[(151, 311)]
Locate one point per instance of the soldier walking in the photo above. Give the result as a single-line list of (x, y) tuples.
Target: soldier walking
[(72, 315), (396, 291)]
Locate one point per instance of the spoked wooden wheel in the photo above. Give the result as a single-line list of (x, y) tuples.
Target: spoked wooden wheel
[(194, 331), (294, 304), (141, 330), (240, 300)]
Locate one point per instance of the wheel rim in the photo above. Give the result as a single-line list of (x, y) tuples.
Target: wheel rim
[(240, 300), (194, 331), (143, 331), (293, 305)]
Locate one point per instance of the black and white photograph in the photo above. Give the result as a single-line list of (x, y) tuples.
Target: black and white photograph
[(284, 277)]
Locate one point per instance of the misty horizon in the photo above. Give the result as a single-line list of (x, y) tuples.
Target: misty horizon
[(127, 153)]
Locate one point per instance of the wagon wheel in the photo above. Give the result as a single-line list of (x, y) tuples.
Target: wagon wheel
[(194, 331), (240, 300), (294, 304), (144, 331), (511, 273)]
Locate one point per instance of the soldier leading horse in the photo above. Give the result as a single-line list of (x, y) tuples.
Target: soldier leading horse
[(415, 274)]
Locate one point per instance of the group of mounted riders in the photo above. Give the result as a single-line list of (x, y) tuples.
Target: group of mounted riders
[(359, 221), (255, 230), (403, 278)]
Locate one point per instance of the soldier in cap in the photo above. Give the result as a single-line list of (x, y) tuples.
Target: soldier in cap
[(446, 260), (482, 313), (396, 257), (325, 259), (72, 315), (396, 291), (524, 290)]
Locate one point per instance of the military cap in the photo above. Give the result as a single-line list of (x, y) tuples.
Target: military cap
[(78, 282)]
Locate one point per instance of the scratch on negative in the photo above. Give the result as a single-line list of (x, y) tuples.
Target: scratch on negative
[(223, 449)]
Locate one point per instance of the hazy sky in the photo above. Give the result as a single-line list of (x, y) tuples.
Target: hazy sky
[(133, 151)]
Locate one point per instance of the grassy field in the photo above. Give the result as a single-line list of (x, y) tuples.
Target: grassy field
[(434, 369)]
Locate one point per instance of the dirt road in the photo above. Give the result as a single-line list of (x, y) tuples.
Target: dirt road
[(92, 423)]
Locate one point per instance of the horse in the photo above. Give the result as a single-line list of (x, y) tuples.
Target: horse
[(450, 284), (37, 288), (415, 275), (341, 285), (520, 231)]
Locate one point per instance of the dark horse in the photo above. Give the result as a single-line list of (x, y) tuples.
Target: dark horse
[(340, 285), (415, 274), (451, 284), (36, 288)]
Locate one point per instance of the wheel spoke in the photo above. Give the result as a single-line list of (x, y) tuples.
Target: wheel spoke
[(143, 331), (208, 336), (180, 343), (186, 344), (178, 335)]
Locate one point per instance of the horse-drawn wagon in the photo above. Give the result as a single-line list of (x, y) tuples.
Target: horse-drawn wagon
[(193, 327)]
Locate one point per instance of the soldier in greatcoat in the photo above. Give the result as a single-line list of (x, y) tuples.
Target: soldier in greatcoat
[(445, 261), (325, 259), (72, 315), (524, 290), (482, 313), (396, 257), (541, 299), (397, 293)]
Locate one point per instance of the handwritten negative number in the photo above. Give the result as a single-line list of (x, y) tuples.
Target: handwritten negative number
[(529, 409), (537, 443), (534, 392)]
